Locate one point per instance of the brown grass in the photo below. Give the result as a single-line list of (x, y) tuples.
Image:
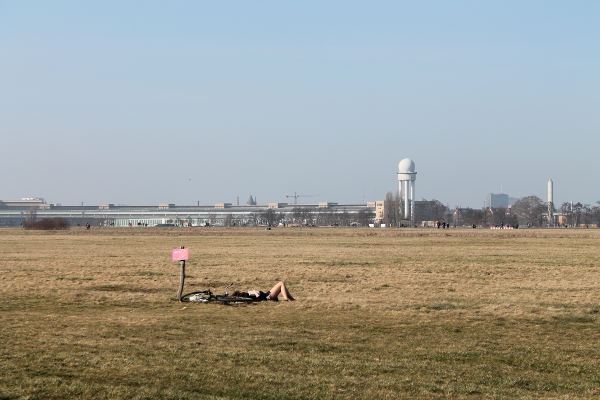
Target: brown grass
[(380, 313)]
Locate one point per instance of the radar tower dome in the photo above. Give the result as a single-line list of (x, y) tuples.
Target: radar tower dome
[(407, 177)]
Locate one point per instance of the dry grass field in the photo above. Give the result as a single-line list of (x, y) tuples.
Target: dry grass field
[(380, 314)]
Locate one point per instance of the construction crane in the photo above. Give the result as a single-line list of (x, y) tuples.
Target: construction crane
[(295, 196)]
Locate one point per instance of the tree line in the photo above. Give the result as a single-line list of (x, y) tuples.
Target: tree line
[(528, 211), (307, 216), (533, 211)]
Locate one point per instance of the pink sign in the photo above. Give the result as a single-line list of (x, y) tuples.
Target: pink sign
[(180, 254)]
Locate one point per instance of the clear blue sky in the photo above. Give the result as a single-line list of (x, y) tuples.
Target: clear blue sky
[(147, 102)]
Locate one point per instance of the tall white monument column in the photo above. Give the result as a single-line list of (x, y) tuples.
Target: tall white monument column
[(407, 176), (550, 203)]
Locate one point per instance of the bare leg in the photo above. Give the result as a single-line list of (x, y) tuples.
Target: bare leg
[(280, 288)]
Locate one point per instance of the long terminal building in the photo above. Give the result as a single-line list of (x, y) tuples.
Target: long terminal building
[(15, 213)]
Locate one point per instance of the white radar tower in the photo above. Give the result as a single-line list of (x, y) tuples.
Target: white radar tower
[(407, 177)]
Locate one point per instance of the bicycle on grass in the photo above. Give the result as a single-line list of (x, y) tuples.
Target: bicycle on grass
[(207, 296)]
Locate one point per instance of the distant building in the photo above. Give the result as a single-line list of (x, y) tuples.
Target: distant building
[(496, 200), (513, 200), (420, 210), (14, 213), (24, 202)]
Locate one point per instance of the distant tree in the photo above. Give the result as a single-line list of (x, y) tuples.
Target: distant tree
[(281, 217), (567, 212), (466, 216), (587, 215), (478, 217), (30, 216), (389, 210), (457, 217), (596, 214), (297, 215), (550, 207), (438, 209), (472, 216), (576, 213), (530, 210), (573, 212), (228, 221), (430, 210), (321, 217), (303, 215), (488, 217), (344, 218), (61, 223), (422, 212), (365, 216), (398, 204), (325, 217), (269, 216), (504, 216), (511, 219), (254, 217), (499, 216), (309, 215), (49, 224)]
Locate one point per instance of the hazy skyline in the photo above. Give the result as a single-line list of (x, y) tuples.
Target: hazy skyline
[(147, 102)]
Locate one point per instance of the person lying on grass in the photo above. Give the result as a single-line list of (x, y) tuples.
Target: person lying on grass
[(272, 294)]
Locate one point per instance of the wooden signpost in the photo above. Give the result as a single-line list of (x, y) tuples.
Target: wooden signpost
[(181, 254)]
